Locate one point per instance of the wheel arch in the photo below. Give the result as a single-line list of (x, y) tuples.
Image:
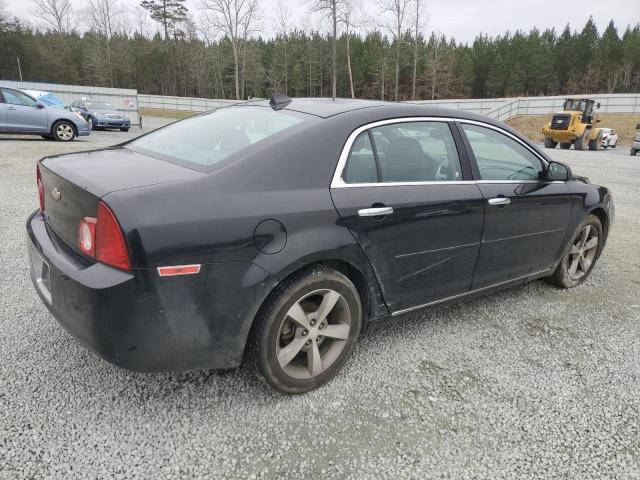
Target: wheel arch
[(603, 216)]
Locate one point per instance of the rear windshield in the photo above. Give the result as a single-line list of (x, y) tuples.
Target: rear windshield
[(205, 141)]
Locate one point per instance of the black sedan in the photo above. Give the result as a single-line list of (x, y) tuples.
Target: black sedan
[(276, 232)]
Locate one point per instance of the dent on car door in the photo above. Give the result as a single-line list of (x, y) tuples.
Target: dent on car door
[(402, 193), (526, 215), (23, 114)]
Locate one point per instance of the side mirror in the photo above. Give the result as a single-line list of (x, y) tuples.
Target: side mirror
[(558, 171), (40, 105), (598, 104)]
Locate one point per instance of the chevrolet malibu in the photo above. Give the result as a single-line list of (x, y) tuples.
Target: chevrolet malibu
[(276, 232)]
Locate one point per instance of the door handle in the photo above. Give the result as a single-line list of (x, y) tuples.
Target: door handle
[(11, 108), (375, 212), (499, 201)]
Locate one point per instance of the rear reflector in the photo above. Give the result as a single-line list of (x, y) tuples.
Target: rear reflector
[(40, 187), (178, 270)]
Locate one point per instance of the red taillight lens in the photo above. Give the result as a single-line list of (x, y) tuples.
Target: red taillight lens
[(40, 188), (102, 239), (87, 236), (111, 247)]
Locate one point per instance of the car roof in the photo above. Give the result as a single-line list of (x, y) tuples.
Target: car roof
[(375, 109)]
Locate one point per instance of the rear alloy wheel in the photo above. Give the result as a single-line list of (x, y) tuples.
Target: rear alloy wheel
[(63, 131), (549, 143), (306, 330), (565, 145), (580, 255)]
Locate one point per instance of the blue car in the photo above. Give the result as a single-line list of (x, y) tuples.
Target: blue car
[(102, 115), (23, 113)]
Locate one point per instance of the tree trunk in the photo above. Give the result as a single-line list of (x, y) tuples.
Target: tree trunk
[(349, 67), (397, 64), (236, 68), (415, 52), (334, 61)]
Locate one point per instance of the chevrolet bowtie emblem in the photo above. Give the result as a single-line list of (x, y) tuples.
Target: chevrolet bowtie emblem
[(56, 194)]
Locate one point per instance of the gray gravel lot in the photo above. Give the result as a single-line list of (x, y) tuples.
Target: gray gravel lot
[(531, 382)]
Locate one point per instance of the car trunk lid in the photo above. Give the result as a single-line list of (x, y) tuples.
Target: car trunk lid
[(75, 183)]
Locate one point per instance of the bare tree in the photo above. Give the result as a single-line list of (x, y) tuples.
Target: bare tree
[(347, 18), (55, 14), (330, 9), (102, 17), (393, 15), (282, 27), (418, 23), (236, 19)]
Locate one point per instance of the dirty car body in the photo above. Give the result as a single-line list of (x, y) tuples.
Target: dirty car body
[(213, 224)]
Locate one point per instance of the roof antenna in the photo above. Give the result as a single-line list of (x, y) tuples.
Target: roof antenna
[(279, 100)]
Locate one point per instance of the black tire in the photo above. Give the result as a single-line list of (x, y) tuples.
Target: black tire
[(549, 143), (124, 129), (63, 131), (565, 145), (581, 142), (597, 143), (633, 152), (273, 323), (562, 276)]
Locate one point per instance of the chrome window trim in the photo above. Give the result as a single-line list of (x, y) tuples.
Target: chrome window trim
[(338, 182)]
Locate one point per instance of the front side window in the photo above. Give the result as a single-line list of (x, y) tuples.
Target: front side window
[(13, 97), (499, 157), (204, 141)]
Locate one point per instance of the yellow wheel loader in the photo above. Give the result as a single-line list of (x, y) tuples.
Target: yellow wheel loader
[(574, 125)]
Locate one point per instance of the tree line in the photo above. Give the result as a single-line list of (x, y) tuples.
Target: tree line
[(225, 53)]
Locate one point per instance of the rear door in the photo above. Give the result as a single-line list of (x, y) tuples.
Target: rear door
[(405, 193), (526, 215), (23, 114)]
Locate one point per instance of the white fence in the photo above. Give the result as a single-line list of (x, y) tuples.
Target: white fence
[(505, 108), (121, 98), (182, 104)]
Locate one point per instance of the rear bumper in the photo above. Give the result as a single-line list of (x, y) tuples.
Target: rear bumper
[(140, 321)]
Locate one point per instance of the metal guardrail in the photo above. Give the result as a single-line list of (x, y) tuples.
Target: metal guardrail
[(182, 104)]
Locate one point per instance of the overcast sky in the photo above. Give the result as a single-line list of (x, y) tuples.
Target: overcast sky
[(461, 19)]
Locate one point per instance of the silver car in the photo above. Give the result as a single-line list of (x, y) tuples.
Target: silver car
[(22, 113)]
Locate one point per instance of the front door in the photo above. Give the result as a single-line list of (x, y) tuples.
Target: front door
[(403, 195), (23, 114), (526, 215)]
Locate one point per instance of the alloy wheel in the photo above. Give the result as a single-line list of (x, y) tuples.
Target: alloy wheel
[(313, 334), (583, 252), (64, 132)]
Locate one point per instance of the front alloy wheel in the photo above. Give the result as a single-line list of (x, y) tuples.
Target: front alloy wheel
[(306, 330), (63, 131), (580, 255)]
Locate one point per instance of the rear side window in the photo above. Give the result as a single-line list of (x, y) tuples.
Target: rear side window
[(205, 141), (499, 157), (361, 167)]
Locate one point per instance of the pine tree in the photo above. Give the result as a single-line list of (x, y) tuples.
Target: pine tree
[(167, 13)]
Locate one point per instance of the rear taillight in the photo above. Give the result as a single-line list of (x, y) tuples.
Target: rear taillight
[(102, 239), (40, 188)]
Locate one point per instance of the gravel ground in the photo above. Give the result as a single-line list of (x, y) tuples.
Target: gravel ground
[(531, 382)]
